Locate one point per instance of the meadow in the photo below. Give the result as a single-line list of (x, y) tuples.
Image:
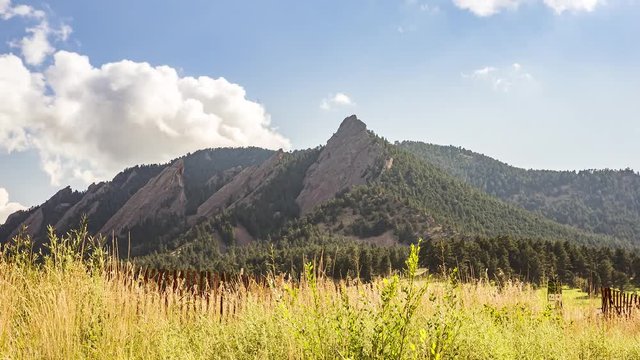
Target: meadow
[(71, 304)]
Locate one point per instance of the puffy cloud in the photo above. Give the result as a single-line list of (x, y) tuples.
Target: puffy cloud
[(7, 208), (7, 11), (560, 6), (501, 79), (337, 100), (23, 99), (487, 7), (492, 7), (89, 122), (36, 46)]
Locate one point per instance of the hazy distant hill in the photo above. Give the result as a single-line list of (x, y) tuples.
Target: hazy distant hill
[(599, 201), (357, 187)]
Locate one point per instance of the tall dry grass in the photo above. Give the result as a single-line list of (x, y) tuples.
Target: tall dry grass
[(70, 305)]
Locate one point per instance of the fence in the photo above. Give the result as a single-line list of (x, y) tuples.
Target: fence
[(616, 302), (190, 292), (218, 294), (222, 295)]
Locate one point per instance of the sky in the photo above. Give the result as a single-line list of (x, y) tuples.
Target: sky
[(90, 88)]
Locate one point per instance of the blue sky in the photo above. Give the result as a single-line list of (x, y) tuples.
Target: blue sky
[(535, 83)]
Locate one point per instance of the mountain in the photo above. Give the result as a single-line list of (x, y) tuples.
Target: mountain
[(599, 201), (147, 203), (356, 189), (35, 220), (344, 162), (361, 190)]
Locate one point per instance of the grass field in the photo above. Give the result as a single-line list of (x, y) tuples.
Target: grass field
[(66, 306)]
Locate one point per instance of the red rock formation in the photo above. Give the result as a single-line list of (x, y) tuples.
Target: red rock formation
[(342, 163), (163, 196)]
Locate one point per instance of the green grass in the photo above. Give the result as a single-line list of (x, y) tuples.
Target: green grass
[(68, 306)]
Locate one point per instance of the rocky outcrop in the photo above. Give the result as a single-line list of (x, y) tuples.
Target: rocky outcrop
[(343, 163), (241, 188), (162, 197), (47, 214), (33, 224), (86, 206), (224, 177), (102, 200), (17, 218), (242, 236)]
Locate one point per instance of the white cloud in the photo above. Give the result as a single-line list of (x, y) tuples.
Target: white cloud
[(422, 6), (36, 45), (7, 11), (89, 122), (491, 7), (484, 72), (501, 79), (560, 6), (7, 208), (487, 7), (22, 95), (338, 100)]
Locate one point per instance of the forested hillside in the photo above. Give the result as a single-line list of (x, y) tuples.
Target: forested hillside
[(402, 198), (496, 259), (599, 201), (503, 258)]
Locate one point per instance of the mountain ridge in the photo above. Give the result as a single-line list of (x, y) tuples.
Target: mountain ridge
[(356, 186), (601, 201)]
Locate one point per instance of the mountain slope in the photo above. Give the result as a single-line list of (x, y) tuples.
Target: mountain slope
[(101, 201), (599, 201), (36, 219), (469, 210), (240, 188), (389, 197), (357, 187), (158, 212), (343, 162), (414, 198), (160, 205)]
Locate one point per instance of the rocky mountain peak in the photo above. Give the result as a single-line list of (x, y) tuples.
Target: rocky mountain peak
[(343, 163), (62, 195), (350, 126)]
